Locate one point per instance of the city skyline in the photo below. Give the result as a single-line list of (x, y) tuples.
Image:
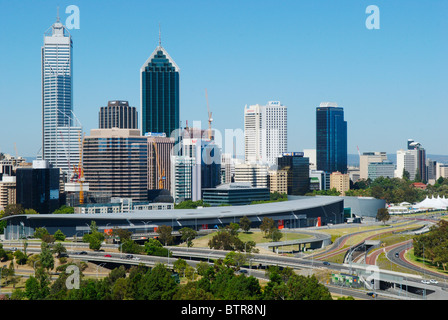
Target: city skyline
[(315, 52)]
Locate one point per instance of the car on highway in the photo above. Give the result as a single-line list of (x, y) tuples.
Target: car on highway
[(372, 294), (433, 281), (107, 255), (136, 258), (326, 263), (81, 252), (129, 256), (242, 271), (425, 281), (397, 255)]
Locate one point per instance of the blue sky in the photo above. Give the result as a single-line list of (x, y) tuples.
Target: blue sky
[(391, 82)]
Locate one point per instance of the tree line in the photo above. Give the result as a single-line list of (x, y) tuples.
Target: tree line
[(219, 281), (433, 246)]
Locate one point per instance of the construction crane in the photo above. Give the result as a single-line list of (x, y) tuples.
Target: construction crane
[(161, 174), (80, 170), (209, 117)]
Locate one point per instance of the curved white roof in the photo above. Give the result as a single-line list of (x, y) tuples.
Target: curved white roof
[(433, 203)]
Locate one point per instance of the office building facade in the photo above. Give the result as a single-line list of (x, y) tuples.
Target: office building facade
[(38, 187), (265, 132), (60, 129), (366, 158), (7, 191), (235, 194), (118, 114), (406, 161), (115, 161), (181, 178), (385, 169), (297, 167), (420, 159), (340, 182), (331, 138), (159, 161), (253, 173), (159, 93)]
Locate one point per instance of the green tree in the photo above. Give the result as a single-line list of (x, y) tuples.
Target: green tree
[(46, 257), (300, 287), (64, 210), (13, 209), (188, 235), (59, 249), (180, 265), (153, 247), (158, 284), (383, 215), (39, 232), (245, 223), (94, 238), (165, 234), (59, 235)]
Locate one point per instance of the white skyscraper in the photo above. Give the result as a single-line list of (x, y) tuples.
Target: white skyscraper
[(265, 130), (406, 160), (60, 137)]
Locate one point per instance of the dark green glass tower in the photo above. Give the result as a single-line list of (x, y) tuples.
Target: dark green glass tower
[(159, 94), (331, 138)]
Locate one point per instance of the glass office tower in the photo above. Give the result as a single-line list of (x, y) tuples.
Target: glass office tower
[(298, 168), (331, 138), (60, 138), (159, 94)]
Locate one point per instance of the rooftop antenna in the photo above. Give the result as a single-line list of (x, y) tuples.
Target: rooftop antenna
[(57, 17), (160, 36)]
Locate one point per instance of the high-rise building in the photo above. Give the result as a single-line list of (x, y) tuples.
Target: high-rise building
[(366, 158), (385, 169), (7, 191), (297, 167), (265, 130), (406, 161), (60, 135), (340, 182), (115, 161), (118, 114), (331, 138), (254, 173), (278, 181), (38, 187), (159, 161), (207, 165), (181, 178), (421, 159), (159, 93)]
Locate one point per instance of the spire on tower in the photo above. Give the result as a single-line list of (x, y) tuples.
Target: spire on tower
[(57, 16), (160, 36)]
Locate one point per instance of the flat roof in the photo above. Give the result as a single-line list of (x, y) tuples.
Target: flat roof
[(205, 212)]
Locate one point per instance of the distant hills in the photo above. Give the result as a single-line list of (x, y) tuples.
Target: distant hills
[(353, 159)]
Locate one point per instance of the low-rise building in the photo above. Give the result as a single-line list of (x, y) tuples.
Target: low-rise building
[(234, 194)]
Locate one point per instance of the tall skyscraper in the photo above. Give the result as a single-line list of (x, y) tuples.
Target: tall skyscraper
[(60, 136), (159, 93), (331, 138), (265, 129), (420, 159)]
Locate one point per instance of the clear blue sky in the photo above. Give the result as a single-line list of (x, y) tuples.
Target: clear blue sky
[(392, 82)]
